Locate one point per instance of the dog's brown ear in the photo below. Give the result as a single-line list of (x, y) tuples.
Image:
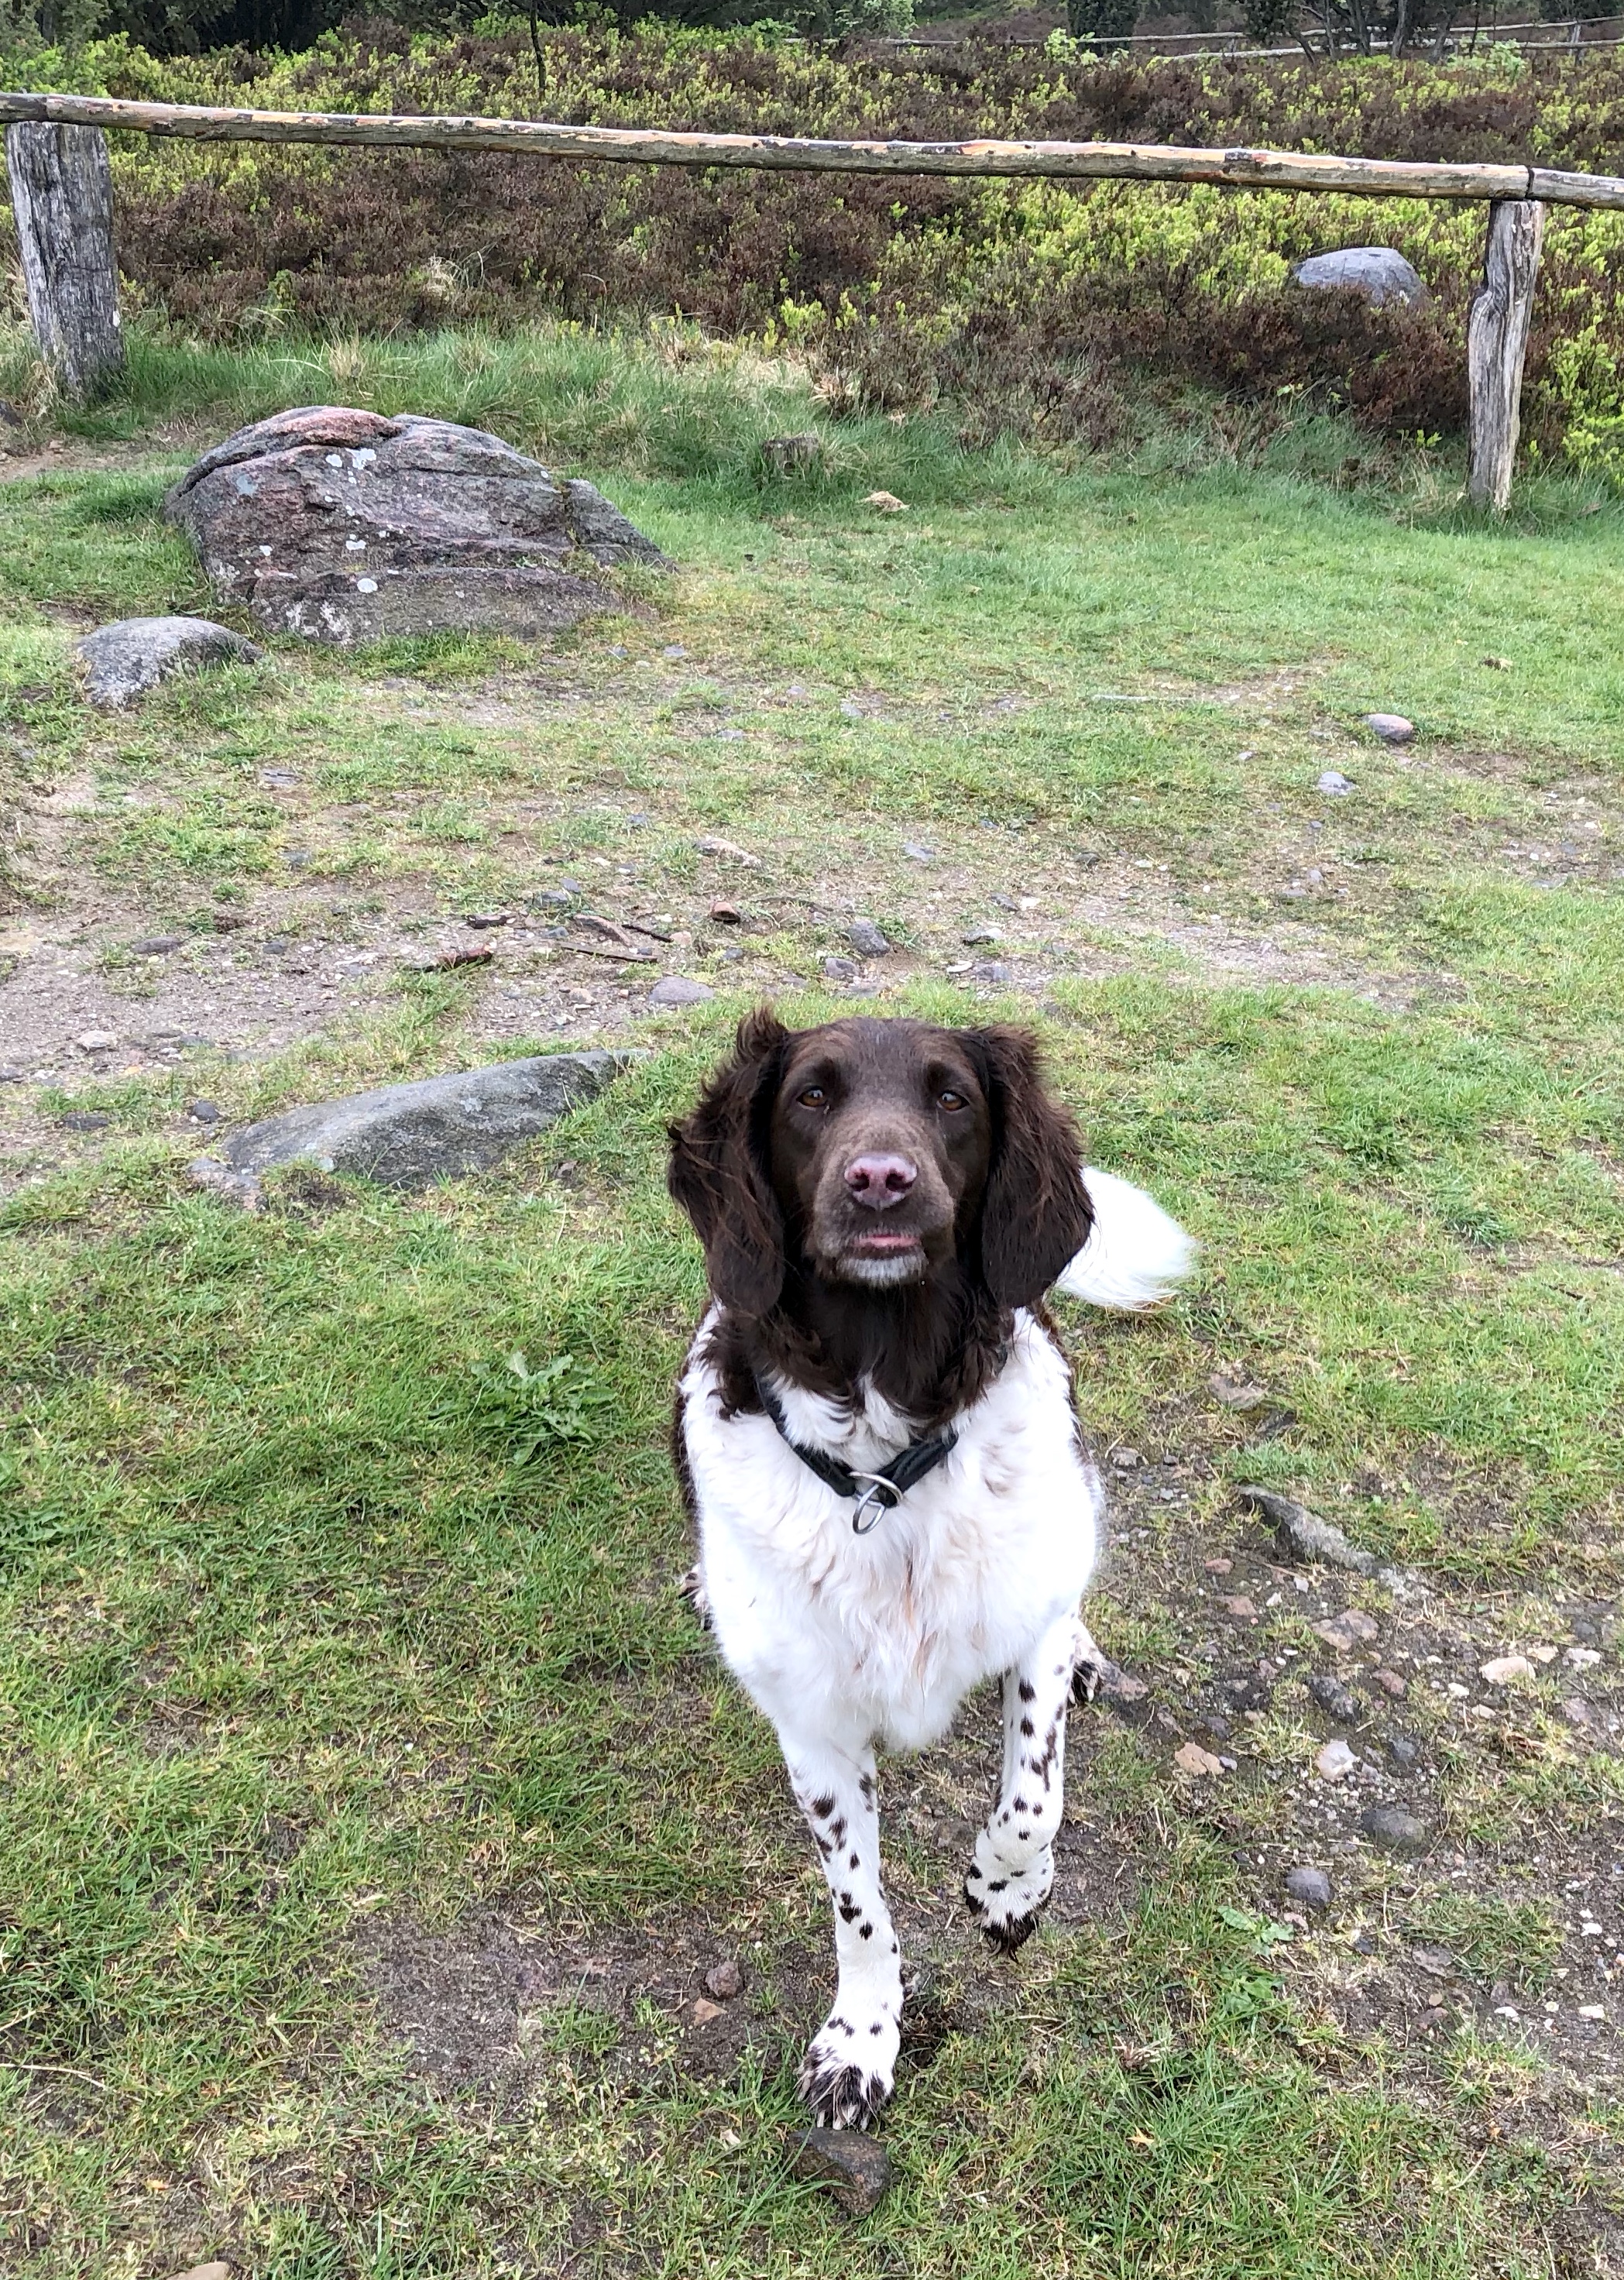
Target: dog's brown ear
[(1036, 1214), (718, 1169)]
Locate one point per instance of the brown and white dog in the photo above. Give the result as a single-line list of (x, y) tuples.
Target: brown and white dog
[(876, 1435)]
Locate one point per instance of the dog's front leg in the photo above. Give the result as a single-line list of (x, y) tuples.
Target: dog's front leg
[(1013, 1868), (847, 2074)]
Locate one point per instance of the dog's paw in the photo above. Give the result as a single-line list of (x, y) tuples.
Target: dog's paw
[(692, 1589), (850, 2069), (1007, 1907)]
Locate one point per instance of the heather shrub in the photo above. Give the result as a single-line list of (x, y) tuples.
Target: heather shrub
[(1032, 305)]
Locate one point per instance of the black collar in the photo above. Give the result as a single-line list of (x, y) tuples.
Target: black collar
[(875, 1492)]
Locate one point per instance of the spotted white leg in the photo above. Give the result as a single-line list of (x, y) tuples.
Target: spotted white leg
[(847, 2074), (1013, 1868)]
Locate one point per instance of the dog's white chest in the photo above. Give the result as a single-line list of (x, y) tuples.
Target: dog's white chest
[(883, 1635)]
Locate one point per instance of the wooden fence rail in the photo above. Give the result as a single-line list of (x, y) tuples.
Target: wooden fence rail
[(1496, 362)]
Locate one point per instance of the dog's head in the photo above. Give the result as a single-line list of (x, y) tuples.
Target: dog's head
[(873, 1153)]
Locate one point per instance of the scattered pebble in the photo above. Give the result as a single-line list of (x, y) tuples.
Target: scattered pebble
[(155, 945), (277, 779), (703, 2010), (1191, 1758), (917, 853), (1577, 1712), (713, 846), (725, 1980), (1239, 1606), (1390, 1682), (1352, 1627), (1392, 728), (839, 969), (1311, 1888), (867, 939), (98, 1041), (486, 919), (85, 1120), (1334, 1761), (1334, 1698), (1506, 1668), (1334, 783), (1592, 2010), (1217, 1566), (203, 1112), (972, 935), (676, 651), (992, 970), (1236, 1393), (678, 990), (1127, 1460), (1582, 1658), (855, 2168), (1403, 1751), (1394, 1830)]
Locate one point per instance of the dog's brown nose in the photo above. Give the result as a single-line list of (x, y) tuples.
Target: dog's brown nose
[(878, 1181)]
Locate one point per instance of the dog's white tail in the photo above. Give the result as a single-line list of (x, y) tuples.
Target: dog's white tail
[(1136, 1255)]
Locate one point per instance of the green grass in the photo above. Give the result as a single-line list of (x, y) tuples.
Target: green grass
[(316, 1620)]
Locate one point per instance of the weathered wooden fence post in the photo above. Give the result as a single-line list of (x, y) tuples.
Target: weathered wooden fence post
[(62, 198), (1496, 343)]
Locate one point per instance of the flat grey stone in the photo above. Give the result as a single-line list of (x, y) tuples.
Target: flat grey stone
[(867, 940), (972, 935), (855, 2170), (408, 1135), (678, 990), (1308, 1538), (1378, 273), (1334, 785), (342, 526), (1392, 728), (123, 660), (1403, 1750), (1309, 1888), (992, 970), (1392, 1829), (839, 969), (155, 945)]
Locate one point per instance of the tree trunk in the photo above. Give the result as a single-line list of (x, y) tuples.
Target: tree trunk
[(62, 198), (1496, 343)]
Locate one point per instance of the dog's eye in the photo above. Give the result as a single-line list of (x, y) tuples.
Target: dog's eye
[(950, 1099), (814, 1096)]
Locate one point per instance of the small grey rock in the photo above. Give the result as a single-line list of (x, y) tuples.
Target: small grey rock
[(867, 940), (917, 852), (1380, 274), (1127, 1461), (123, 660), (1392, 1829), (1403, 1750), (725, 1980), (203, 1112), (154, 946), (408, 1135), (1309, 1888), (277, 779), (1334, 1698), (1334, 785), (10, 1075), (85, 1120), (482, 919), (1302, 1533), (678, 990), (239, 1187), (992, 970), (972, 935), (839, 969), (1392, 728), (855, 2170)]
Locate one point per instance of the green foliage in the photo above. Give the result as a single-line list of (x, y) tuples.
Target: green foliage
[(532, 1411), (1054, 311)]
